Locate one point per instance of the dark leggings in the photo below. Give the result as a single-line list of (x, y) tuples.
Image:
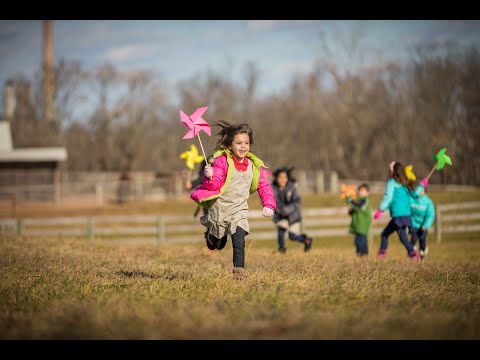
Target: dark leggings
[(361, 244), (419, 234), (291, 236), (238, 244), (402, 234)]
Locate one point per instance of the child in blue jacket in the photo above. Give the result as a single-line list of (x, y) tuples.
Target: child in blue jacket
[(423, 215), (397, 199)]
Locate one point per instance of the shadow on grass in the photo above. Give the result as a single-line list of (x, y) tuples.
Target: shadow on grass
[(165, 276), (138, 273)]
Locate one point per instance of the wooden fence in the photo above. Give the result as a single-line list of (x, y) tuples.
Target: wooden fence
[(102, 188), (317, 222)]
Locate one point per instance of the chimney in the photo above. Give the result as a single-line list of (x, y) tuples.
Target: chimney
[(48, 85), (9, 100)]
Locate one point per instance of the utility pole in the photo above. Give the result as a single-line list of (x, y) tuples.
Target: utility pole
[(48, 81)]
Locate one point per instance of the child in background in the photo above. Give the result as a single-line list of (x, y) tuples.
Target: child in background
[(361, 213), (189, 184), (198, 181), (227, 184), (423, 215), (288, 215), (397, 199)]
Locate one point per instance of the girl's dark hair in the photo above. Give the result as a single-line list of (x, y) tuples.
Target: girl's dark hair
[(285, 170), (228, 131), (401, 177)]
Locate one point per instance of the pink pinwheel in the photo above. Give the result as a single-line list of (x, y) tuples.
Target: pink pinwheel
[(195, 123)]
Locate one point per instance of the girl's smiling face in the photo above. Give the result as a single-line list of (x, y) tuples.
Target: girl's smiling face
[(240, 146)]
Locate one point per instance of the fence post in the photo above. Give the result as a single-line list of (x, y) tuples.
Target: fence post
[(99, 194), (91, 228), (139, 187), (320, 182), (20, 226), (302, 181), (334, 182), (160, 230), (56, 186), (438, 225), (178, 186)]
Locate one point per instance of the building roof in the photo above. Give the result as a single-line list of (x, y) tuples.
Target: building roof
[(33, 154)]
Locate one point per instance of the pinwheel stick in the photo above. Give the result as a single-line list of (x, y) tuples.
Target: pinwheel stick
[(432, 171), (201, 145)]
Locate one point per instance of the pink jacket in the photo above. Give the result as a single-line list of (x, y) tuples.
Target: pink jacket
[(222, 171)]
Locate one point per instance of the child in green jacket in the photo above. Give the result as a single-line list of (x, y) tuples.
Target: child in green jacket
[(423, 214), (361, 213)]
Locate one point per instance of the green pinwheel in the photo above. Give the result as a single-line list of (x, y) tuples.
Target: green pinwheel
[(441, 159)]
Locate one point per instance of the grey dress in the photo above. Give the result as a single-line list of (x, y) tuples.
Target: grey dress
[(231, 209)]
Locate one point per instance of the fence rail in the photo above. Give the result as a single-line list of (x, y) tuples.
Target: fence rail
[(317, 222), (102, 188)]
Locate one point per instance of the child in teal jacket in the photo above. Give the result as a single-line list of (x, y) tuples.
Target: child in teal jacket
[(361, 213), (397, 196), (423, 215)]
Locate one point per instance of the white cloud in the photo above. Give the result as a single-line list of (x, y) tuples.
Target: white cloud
[(98, 33), (439, 30), (259, 25), (291, 68), (263, 25), (129, 52)]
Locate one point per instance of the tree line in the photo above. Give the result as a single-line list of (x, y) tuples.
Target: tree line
[(351, 122)]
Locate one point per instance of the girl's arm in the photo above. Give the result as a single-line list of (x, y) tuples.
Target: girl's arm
[(387, 197), (219, 167), (356, 204), (417, 192), (430, 216), (265, 191)]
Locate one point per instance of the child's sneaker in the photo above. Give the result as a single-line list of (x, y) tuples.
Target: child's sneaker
[(423, 253), (308, 244), (414, 255), (382, 254), (207, 240), (239, 273), (223, 242), (282, 250)]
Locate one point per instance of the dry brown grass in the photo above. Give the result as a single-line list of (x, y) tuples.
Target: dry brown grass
[(75, 289)]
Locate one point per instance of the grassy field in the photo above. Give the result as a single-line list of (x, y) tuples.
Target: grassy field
[(76, 289), (70, 289)]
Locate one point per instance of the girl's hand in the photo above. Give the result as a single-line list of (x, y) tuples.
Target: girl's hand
[(208, 171), (267, 212), (377, 215)]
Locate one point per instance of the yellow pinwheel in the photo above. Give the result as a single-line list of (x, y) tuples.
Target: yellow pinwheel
[(191, 157), (409, 173)]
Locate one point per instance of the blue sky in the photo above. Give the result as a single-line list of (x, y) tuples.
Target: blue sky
[(177, 49)]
